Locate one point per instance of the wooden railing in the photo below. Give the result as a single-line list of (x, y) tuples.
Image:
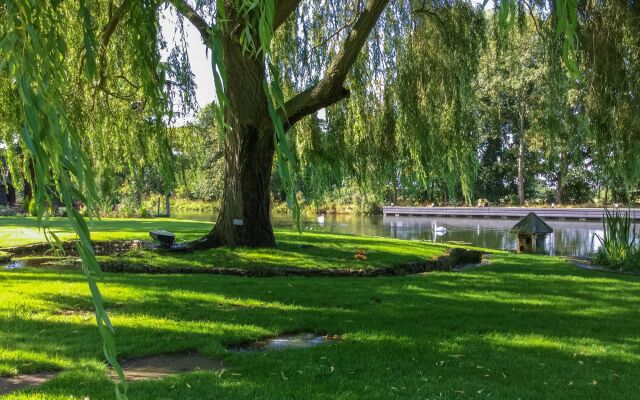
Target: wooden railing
[(505, 212)]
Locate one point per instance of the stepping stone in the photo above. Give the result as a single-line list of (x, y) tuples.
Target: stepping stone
[(19, 382), (161, 366)]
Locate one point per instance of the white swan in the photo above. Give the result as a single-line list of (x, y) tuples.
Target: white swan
[(321, 219), (439, 229)]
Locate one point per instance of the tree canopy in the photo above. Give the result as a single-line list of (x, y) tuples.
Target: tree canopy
[(428, 86)]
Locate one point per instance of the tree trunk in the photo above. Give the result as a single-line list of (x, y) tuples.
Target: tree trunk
[(4, 201), (559, 184), (244, 219), (11, 193), (28, 190), (167, 205), (560, 179), (521, 154), (396, 185)]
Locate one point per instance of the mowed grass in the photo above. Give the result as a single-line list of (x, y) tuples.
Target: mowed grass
[(17, 231), (309, 250), (526, 327)]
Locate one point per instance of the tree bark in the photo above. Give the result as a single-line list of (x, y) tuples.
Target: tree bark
[(560, 179), (559, 188), (521, 156), (244, 218), (4, 201)]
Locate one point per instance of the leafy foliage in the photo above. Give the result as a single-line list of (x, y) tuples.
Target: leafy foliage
[(32, 50), (619, 247)]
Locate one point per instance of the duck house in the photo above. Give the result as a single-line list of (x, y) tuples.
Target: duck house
[(531, 231)]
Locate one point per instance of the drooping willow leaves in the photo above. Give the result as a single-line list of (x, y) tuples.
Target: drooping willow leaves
[(610, 51), (33, 51)]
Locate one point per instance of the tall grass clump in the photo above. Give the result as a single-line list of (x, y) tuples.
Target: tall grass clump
[(618, 247)]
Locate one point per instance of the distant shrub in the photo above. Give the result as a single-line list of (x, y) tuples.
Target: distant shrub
[(510, 200), (25, 203), (32, 208)]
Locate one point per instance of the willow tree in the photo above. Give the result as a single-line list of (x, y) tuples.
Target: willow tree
[(239, 36), (58, 57), (610, 52)]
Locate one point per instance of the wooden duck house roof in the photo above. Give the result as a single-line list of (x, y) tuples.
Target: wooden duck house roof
[(531, 225)]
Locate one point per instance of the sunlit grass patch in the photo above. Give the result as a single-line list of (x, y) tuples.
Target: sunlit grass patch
[(524, 327), (308, 250)]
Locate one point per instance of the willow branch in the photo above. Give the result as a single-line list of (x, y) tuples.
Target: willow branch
[(196, 19), (284, 9), (107, 33), (330, 89), (115, 20)]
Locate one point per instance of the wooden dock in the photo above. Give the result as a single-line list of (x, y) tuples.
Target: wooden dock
[(578, 214)]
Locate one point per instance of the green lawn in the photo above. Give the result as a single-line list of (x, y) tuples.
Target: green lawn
[(309, 250), (527, 327), (16, 231), (524, 327)]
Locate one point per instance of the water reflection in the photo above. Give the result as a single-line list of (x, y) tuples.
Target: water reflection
[(570, 238)]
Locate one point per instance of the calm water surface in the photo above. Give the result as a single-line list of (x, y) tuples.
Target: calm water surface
[(568, 239)]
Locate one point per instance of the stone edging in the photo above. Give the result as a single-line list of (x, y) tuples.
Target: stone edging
[(101, 248), (454, 257)]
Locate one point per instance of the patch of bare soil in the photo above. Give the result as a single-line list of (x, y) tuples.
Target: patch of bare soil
[(156, 367), (19, 382)]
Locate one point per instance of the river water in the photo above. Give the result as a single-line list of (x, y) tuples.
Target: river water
[(570, 238)]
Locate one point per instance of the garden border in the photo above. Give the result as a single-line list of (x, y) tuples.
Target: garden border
[(454, 257)]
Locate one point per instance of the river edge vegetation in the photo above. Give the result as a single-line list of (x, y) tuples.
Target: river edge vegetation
[(523, 327), (619, 245)]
